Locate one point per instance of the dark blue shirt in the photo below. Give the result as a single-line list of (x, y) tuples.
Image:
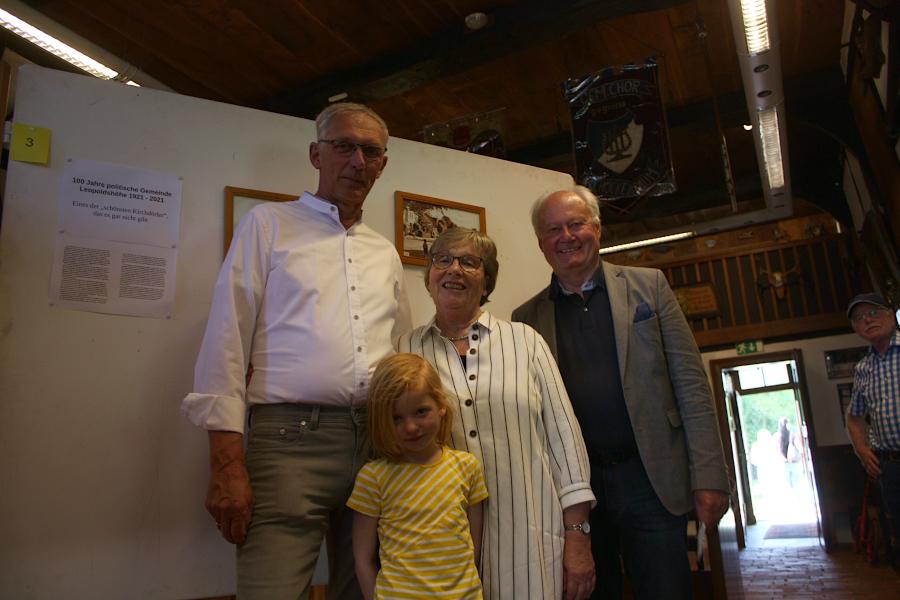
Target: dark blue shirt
[(586, 348)]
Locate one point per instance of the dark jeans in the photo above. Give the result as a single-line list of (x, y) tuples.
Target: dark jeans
[(630, 522), (890, 497)]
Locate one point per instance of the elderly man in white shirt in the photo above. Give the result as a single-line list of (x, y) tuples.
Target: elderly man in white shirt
[(311, 297)]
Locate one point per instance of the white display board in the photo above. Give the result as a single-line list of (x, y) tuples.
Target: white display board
[(102, 478)]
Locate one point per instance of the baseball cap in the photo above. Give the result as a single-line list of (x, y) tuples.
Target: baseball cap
[(867, 298)]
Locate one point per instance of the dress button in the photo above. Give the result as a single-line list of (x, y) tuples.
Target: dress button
[(473, 433), (359, 348), (471, 378), (471, 350), (356, 317), (352, 288), (474, 336), (468, 402)]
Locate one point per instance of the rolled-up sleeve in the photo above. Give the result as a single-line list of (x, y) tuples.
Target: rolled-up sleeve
[(568, 455), (218, 402)]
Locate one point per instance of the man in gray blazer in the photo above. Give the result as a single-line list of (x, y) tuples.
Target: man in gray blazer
[(637, 384)]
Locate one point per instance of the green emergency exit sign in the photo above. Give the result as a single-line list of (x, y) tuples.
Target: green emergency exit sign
[(749, 347)]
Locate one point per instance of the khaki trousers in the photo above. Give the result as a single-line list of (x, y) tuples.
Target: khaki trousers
[(302, 462)]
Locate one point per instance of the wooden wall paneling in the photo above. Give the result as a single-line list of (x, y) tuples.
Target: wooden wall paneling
[(771, 294), (732, 266), (795, 289), (830, 303), (723, 293), (782, 305), (748, 287), (817, 284), (762, 297), (842, 286), (756, 331), (782, 260), (700, 277)]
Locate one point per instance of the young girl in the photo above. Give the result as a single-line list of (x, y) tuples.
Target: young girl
[(421, 501)]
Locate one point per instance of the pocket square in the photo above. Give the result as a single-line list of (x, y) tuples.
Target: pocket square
[(642, 312)]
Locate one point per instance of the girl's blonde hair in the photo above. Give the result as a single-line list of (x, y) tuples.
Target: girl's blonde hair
[(395, 376)]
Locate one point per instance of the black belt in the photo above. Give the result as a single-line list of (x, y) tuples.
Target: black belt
[(612, 456), (891, 455)]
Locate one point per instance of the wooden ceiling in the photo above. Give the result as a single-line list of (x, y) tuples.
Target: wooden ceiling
[(415, 62)]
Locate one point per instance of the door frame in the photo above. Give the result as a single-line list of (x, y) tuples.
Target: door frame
[(718, 365)]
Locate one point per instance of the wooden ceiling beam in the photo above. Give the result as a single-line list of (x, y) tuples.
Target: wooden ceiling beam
[(511, 29)]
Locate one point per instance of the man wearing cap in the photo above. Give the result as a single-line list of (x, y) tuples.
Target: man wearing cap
[(876, 399)]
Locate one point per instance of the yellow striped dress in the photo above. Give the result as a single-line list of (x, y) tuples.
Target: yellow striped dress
[(425, 545)]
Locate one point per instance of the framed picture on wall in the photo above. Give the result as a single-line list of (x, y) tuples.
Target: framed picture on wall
[(420, 219), (239, 201), (845, 392), (839, 364)]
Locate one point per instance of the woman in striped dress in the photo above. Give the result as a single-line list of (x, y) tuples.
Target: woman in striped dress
[(514, 415)]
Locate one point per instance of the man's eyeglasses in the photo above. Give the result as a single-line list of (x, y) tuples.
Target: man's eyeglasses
[(467, 262), (347, 148), (573, 227), (871, 313)]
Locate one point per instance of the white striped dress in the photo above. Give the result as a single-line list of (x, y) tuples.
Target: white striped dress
[(514, 415)]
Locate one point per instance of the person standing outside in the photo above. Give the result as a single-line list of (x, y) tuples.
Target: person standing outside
[(873, 417), (632, 369), (312, 298)]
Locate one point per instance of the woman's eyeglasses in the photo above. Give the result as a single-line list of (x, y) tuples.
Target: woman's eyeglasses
[(467, 262)]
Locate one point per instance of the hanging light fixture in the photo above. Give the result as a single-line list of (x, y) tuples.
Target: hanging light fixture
[(54, 46), (756, 36)]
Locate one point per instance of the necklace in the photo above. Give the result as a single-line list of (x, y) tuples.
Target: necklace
[(465, 336)]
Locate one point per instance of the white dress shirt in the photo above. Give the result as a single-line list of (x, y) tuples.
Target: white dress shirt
[(512, 412), (311, 305)]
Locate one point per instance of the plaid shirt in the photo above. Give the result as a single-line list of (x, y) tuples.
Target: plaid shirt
[(876, 392)]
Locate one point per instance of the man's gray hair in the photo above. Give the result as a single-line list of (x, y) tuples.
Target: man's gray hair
[(586, 195), (324, 118)]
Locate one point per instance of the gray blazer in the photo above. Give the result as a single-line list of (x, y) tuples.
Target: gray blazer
[(666, 389)]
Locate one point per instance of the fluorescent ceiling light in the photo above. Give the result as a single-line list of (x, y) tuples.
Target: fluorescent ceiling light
[(57, 48), (771, 146), (651, 242), (756, 26)]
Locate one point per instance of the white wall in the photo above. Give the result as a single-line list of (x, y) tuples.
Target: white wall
[(102, 479), (823, 396)]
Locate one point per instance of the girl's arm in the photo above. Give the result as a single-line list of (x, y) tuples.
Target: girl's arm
[(476, 520), (365, 546)]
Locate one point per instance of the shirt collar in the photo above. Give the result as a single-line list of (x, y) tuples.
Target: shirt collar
[(596, 281), (484, 322), (894, 343), (323, 207)]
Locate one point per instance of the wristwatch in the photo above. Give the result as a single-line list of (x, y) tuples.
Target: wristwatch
[(584, 528)]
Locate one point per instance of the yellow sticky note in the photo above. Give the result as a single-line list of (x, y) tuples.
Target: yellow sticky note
[(30, 144)]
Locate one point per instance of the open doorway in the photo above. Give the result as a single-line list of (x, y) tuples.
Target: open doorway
[(771, 442)]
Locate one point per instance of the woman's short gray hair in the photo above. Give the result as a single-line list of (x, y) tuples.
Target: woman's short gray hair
[(460, 236), (323, 119), (586, 195)]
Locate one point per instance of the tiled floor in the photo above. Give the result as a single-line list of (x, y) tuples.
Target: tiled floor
[(800, 569)]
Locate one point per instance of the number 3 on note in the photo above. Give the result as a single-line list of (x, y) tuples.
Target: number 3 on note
[(30, 144)]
